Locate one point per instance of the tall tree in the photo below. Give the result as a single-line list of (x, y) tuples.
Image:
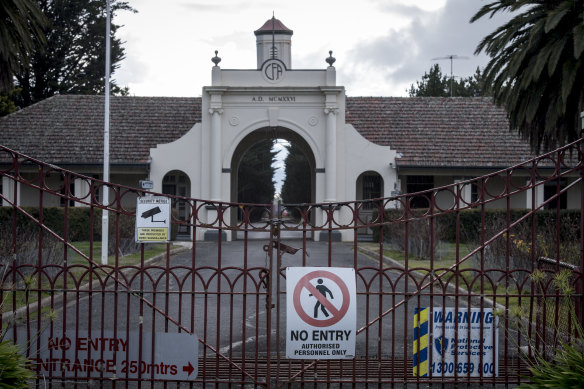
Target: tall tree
[(296, 187), (255, 174), (73, 60), (436, 84), (536, 69), (21, 33)]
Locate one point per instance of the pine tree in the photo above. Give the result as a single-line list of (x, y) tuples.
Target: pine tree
[(73, 59)]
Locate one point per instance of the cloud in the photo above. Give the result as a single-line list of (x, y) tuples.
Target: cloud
[(403, 55)]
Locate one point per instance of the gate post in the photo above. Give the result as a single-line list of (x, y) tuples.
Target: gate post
[(580, 285)]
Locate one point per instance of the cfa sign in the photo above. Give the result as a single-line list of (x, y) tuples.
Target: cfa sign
[(174, 356), (321, 318), (153, 219), (464, 342)]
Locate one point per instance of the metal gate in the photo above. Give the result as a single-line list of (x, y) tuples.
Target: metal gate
[(450, 249)]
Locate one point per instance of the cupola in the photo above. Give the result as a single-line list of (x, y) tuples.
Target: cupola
[(274, 41)]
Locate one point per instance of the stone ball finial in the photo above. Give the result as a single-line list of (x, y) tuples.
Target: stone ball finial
[(330, 59), (216, 59)]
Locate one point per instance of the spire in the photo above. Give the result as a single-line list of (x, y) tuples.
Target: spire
[(273, 37)]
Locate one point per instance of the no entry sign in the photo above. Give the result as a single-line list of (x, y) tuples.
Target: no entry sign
[(321, 315), (172, 356)]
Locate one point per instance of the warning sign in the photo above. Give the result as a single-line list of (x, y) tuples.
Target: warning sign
[(464, 342), (153, 219), (321, 320), (101, 354)]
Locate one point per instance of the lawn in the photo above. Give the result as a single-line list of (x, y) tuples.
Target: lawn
[(27, 291)]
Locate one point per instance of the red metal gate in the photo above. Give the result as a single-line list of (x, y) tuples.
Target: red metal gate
[(462, 246)]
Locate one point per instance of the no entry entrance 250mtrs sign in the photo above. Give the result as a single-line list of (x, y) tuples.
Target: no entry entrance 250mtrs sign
[(321, 319)]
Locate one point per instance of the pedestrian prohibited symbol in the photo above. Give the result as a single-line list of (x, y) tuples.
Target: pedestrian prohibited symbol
[(321, 315), (316, 284)]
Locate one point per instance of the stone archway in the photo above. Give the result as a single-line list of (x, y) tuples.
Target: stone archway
[(274, 133), (270, 133)]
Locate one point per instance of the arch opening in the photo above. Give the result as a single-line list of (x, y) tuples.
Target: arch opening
[(282, 138), (178, 183)]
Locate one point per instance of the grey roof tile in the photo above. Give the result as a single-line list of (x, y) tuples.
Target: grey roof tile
[(429, 131)]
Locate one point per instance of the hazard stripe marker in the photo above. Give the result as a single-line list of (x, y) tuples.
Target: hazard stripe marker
[(420, 354)]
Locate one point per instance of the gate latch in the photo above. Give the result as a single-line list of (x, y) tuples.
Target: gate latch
[(283, 247)]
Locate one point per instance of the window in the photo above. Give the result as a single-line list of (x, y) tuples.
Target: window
[(474, 192), (550, 190), (418, 184), (64, 193), (371, 189)]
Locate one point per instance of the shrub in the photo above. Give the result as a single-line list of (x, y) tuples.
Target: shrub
[(15, 369), (565, 367)]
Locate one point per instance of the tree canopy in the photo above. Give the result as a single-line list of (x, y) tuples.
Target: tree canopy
[(255, 174), (21, 33), (436, 84), (73, 59), (535, 70), (296, 187)]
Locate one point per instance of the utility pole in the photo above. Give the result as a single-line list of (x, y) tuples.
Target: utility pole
[(106, 136)]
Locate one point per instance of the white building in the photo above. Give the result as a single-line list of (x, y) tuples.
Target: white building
[(358, 147)]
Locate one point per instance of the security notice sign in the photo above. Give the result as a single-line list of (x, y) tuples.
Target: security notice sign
[(105, 354), (153, 219), (321, 320), (470, 352)]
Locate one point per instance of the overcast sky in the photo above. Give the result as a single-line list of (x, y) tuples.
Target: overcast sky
[(381, 46)]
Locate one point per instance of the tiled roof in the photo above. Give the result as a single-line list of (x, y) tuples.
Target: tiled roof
[(439, 132), (69, 129), (428, 132), (277, 27)]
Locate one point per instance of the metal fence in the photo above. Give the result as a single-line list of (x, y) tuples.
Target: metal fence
[(213, 313)]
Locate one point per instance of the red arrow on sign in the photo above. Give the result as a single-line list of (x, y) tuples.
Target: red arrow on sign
[(189, 368)]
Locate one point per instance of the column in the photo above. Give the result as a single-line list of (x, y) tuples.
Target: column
[(215, 155), (8, 186), (465, 191), (82, 189), (538, 195), (331, 155)]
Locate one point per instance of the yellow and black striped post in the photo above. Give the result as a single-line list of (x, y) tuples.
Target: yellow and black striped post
[(421, 342)]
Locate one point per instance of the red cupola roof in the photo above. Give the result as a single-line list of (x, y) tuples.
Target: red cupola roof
[(274, 25)]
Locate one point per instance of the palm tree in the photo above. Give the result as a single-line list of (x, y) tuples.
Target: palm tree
[(21, 29), (536, 69)]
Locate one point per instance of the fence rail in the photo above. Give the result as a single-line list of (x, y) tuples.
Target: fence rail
[(213, 313)]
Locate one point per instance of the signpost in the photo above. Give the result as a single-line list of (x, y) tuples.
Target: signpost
[(153, 219), (103, 354), (321, 320), (456, 347)]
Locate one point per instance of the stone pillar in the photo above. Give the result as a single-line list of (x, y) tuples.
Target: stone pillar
[(331, 155), (215, 155)]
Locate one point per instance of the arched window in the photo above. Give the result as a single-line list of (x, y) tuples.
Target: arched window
[(177, 183)]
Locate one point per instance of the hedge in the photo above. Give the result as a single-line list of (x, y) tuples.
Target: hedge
[(470, 221), (79, 222)]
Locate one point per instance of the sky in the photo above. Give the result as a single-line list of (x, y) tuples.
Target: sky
[(381, 46)]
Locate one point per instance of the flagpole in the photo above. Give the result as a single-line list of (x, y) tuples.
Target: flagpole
[(106, 136)]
